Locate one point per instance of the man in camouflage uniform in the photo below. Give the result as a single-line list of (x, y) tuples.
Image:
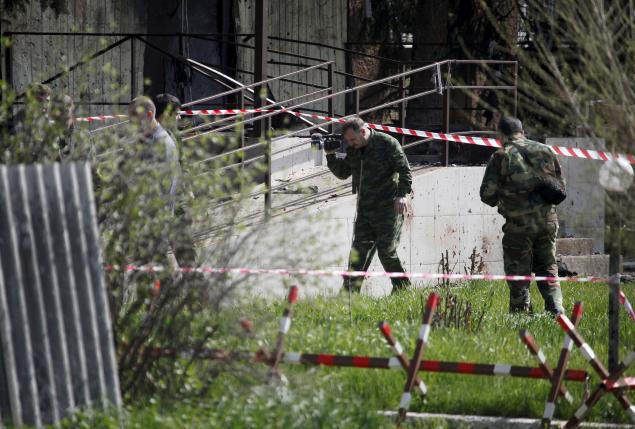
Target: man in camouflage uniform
[(511, 182), (381, 180)]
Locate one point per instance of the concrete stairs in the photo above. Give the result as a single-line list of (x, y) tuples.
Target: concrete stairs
[(575, 257)]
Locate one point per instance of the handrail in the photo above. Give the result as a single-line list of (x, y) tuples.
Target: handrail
[(342, 92), (255, 84), (441, 87), (108, 34), (242, 87), (231, 117)]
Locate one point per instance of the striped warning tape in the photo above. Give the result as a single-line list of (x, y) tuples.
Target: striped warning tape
[(479, 141), (341, 273), (100, 118)]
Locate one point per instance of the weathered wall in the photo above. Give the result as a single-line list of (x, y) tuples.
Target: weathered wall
[(35, 58), (321, 22), (199, 17), (38, 57)]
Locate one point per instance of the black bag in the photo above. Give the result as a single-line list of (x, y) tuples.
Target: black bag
[(551, 190), (549, 187)]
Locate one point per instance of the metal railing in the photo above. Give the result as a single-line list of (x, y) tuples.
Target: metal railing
[(444, 85), (243, 96)]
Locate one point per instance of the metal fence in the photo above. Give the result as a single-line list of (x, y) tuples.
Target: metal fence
[(56, 343)]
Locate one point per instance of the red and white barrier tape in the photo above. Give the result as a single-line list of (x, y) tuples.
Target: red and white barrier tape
[(100, 118), (342, 273), (479, 141)]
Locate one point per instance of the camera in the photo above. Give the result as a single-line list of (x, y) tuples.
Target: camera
[(328, 142)]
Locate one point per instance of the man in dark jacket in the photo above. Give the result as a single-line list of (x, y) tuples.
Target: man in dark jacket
[(381, 180)]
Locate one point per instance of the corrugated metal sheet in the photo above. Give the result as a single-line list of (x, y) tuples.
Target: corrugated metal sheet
[(321, 21), (56, 338)]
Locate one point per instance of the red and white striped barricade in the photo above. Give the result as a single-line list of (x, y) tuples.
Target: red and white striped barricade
[(396, 346), (558, 375), (285, 324), (533, 348), (606, 377), (422, 341)]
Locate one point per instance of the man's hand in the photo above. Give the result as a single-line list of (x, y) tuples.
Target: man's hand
[(329, 152), (401, 205)]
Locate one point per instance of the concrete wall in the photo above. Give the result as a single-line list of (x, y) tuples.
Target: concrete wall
[(582, 213), (447, 215)]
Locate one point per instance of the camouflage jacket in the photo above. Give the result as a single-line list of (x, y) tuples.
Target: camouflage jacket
[(511, 176), (380, 171)]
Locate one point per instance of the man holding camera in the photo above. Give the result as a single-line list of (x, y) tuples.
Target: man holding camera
[(523, 179), (381, 180)]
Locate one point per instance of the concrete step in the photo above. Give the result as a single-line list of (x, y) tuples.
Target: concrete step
[(487, 422), (574, 246), (586, 265)]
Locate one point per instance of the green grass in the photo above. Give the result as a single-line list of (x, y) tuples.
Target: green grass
[(323, 397), (322, 325)]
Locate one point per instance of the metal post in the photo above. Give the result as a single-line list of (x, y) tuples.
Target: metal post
[(516, 89), (614, 319), (181, 53), (357, 102), (7, 72), (331, 79), (260, 94), (261, 57), (402, 105), (446, 124), (133, 70), (3, 74), (446, 115), (241, 100), (614, 285), (349, 80), (268, 159)]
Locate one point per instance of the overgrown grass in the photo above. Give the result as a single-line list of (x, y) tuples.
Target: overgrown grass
[(322, 397)]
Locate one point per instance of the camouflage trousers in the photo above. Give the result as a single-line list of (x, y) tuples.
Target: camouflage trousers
[(376, 231), (531, 248)]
